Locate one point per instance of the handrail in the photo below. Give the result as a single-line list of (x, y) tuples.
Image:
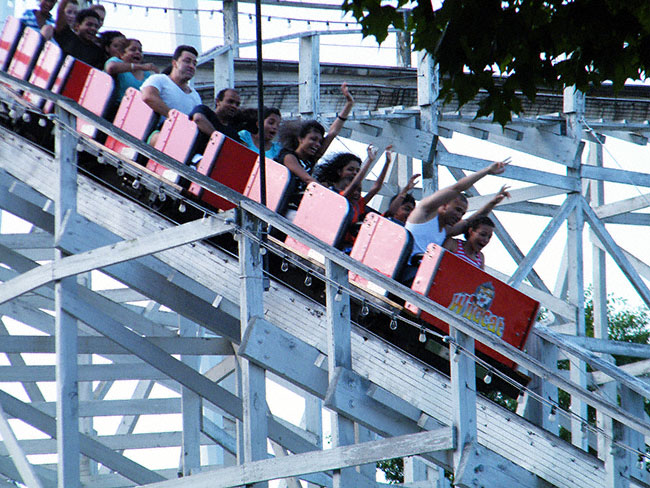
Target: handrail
[(263, 213)]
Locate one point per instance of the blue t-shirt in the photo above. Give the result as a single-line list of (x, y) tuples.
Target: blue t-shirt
[(125, 80), (247, 140)]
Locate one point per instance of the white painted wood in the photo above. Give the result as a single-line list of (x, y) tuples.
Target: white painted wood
[(230, 31), (463, 392), (67, 394), (428, 88), (221, 370), (88, 446), (518, 195), (335, 458), (23, 465), (309, 76), (224, 66), (190, 409), (542, 241), (339, 355), (622, 206), (114, 254), (253, 380), (609, 346)]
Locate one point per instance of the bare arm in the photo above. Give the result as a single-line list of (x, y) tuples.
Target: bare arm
[(115, 68), (203, 124), (382, 175), (61, 22), (399, 198), (358, 178), (451, 244), (151, 97), (428, 207), (291, 162), (461, 227), (341, 117)]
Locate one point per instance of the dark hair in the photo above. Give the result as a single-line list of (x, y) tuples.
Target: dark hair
[(182, 48), (292, 131), (462, 197), (408, 198), (85, 13), (328, 172), (97, 6), (106, 37), (475, 222), (248, 117), (222, 93)]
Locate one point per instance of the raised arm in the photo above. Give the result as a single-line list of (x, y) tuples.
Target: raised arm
[(115, 68), (382, 175), (341, 117), (358, 178), (203, 123), (427, 207), (461, 227), (399, 198)]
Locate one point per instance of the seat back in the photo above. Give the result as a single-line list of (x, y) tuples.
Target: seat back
[(471, 293), (134, 117), (94, 97), (69, 81), (382, 245), (324, 214), (279, 184), (26, 54), (45, 71), (177, 139), (227, 162), (11, 33)]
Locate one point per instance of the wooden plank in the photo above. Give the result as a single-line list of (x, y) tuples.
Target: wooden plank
[(335, 458), (26, 470), (114, 254)]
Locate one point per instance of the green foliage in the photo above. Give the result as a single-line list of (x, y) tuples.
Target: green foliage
[(531, 43), (393, 470)]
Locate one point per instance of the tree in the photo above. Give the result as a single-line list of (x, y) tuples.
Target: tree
[(513, 47)]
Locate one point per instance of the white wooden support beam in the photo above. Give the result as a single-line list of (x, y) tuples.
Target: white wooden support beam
[(607, 346), (618, 459), (253, 378), (613, 175), (514, 172), (88, 446), (314, 462), (184, 27), (219, 435), (480, 467), (19, 458), (309, 76), (463, 391), (635, 404), (545, 237), (190, 409), (224, 66), (230, 30), (67, 394), (616, 253), (114, 254), (537, 141), (339, 354), (428, 88)]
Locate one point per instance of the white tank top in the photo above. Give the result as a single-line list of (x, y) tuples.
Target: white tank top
[(426, 233)]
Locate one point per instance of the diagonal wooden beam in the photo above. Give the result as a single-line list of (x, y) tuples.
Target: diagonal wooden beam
[(616, 252), (547, 234), (18, 456), (88, 446), (314, 462), (113, 254)]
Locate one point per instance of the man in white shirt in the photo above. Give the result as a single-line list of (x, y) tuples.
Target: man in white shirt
[(166, 92)]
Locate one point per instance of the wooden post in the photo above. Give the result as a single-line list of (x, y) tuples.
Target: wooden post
[(619, 461), (185, 27), (67, 393), (309, 76), (463, 391), (427, 100), (224, 71), (231, 25), (574, 105), (253, 380), (404, 46), (190, 409), (339, 354)]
